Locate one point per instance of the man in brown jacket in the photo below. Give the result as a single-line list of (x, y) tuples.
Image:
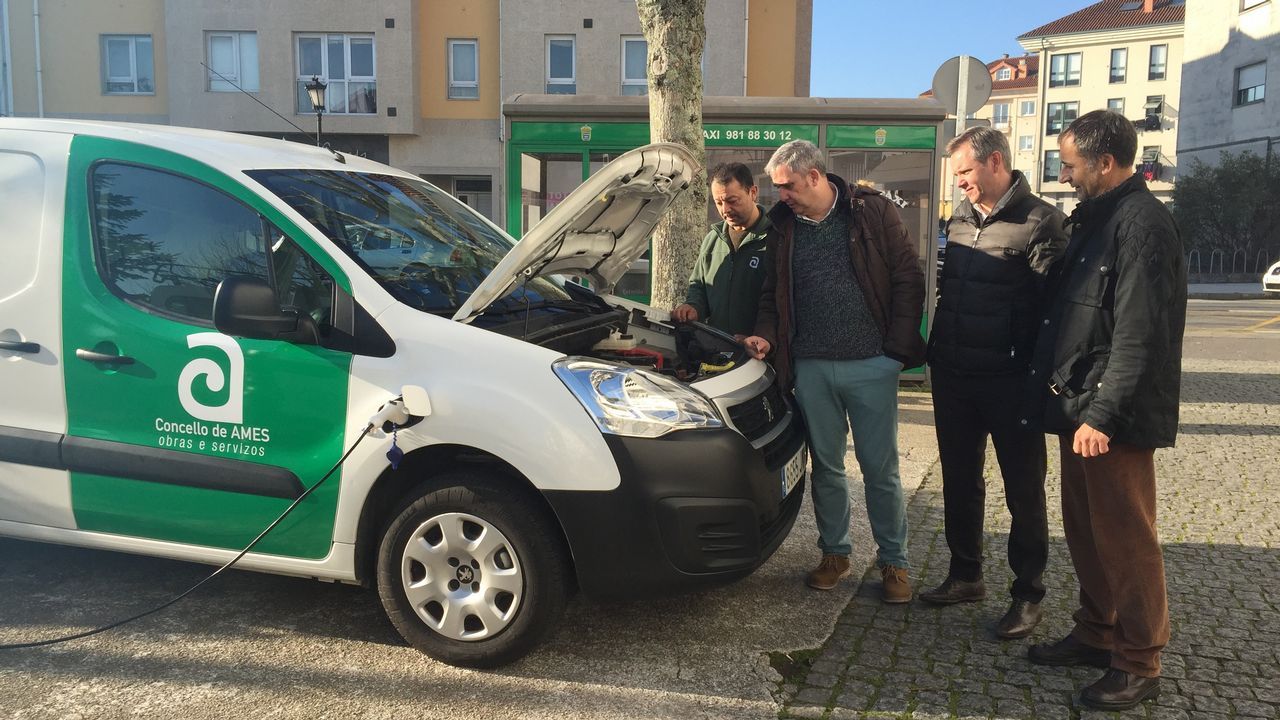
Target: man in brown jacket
[(840, 312)]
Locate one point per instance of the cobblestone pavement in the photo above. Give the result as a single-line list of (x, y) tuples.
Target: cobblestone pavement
[(1219, 519)]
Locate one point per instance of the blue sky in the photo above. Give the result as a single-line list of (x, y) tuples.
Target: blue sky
[(891, 48)]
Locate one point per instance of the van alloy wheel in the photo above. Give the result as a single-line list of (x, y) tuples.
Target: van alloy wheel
[(473, 569), (462, 576)]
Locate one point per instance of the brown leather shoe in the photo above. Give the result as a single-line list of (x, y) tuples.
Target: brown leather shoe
[(1068, 652), (1019, 620), (953, 591), (896, 585), (829, 572), (1119, 690)]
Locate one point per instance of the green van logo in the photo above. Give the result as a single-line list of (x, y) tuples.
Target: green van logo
[(215, 379)]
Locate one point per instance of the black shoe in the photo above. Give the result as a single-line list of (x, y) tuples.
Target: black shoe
[(1119, 690), (953, 591), (1069, 651), (1022, 617)]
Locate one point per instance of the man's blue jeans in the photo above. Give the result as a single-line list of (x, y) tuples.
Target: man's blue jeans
[(834, 396)]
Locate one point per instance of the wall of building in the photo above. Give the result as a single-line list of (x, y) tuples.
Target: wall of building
[(277, 24), (71, 58), (526, 24), (779, 46), (1226, 39), (442, 20), (1095, 89)]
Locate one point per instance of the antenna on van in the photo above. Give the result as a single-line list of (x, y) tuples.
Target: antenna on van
[(232, 83)]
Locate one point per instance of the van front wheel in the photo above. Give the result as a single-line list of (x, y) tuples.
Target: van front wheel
[(471, 575)]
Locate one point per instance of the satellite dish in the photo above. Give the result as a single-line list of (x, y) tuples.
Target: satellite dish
[(946, 85)]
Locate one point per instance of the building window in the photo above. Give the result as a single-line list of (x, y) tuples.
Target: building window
[(1159, 60), (1251, 84), (561, 65), (464, 74), (1119, 64), (127, 65), (1059, 116), (635, 62), (1116, 105), (1004, 73), (1247, 4), (1000, 115), (1025, 143), (346, 64), (1027, 107), (233, 61), (1052, 165), (1064, 70)]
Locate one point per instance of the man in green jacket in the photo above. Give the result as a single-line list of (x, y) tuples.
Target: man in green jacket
[(724, 290)]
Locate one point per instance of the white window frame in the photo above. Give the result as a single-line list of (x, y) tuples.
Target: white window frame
[(1022, 108), (1260, 97), (1070, 77), (1164, 62), (236, 76), (1111, 66), (132, 77), (1026, 143), (996, 120), (454, 83), (572, 80), (1004, 73), (331, 84), (1049, 116), (1251, 4), (622, 65), (1044, 174)]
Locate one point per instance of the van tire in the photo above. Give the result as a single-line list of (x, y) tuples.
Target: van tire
[(472, 527)]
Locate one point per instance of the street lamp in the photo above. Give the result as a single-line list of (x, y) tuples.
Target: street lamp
[(315, 90)]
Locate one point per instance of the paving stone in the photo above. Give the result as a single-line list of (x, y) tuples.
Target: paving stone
[(1219, 522)]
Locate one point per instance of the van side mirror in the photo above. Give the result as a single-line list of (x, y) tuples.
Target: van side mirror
[(247, 307)]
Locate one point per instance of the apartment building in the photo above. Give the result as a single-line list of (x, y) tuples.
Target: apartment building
[(1125, 55), (1229, 60), (415, 83)]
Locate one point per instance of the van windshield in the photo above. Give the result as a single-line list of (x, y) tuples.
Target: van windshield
[(423, 246)]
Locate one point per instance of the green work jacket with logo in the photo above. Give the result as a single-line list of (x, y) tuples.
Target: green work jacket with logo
[(725, 285)]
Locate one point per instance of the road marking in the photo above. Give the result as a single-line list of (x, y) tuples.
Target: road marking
[(1263, 324)]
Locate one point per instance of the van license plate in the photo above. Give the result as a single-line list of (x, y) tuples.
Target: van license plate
[(793, 473)]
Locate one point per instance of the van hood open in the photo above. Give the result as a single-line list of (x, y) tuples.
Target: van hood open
[(599, 230)]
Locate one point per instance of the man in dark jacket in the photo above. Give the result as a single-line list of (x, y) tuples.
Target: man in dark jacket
[(724, 289), (840, 310), (1001, 243), (1109, 358)]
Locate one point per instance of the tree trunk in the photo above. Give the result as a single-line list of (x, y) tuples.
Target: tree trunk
[(675, 31)]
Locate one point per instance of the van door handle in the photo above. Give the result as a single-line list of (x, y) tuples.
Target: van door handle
[(97, 357), (19, 346)]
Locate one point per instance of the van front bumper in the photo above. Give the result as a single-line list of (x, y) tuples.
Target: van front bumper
[(693, 509)]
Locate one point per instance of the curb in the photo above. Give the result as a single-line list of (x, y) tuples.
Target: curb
[(1231, 296)]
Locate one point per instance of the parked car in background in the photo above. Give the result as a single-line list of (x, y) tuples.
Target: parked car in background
[(1271, 278)]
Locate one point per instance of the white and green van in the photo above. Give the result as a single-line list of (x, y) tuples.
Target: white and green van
[(195, 326)]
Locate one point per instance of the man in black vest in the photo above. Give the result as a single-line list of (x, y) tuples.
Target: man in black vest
[(1109, 362), (1001, 242)]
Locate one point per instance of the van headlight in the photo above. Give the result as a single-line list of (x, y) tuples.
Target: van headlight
[(637, 403)]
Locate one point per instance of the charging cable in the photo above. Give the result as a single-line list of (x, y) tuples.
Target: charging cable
[(393, 412)]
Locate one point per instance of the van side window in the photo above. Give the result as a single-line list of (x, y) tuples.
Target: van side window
[(164, 242)]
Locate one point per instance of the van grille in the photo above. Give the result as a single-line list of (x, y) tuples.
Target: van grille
[(757, 416)]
